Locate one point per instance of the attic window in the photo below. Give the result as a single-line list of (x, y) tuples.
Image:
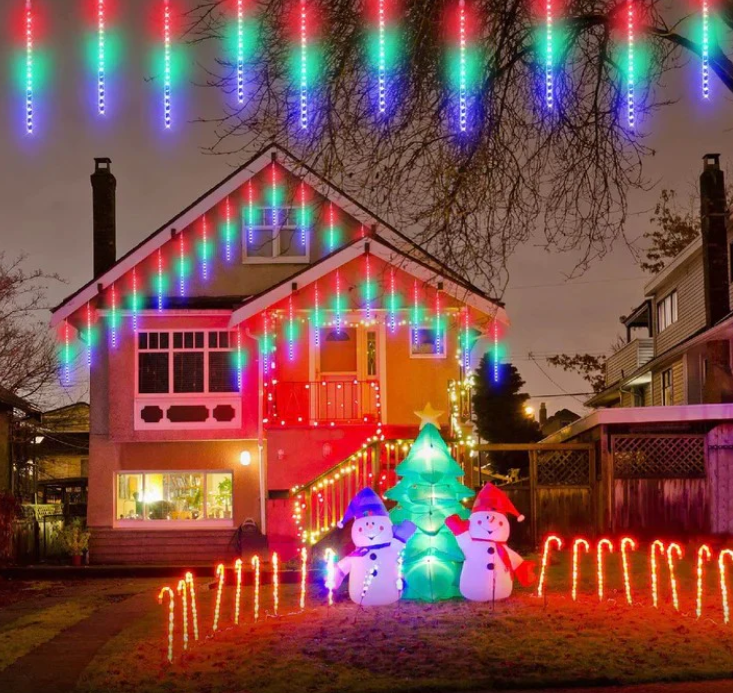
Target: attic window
[(272, 235)]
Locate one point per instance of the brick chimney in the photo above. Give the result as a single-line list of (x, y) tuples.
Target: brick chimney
[(104, 224), (543, 414), (713, 213)]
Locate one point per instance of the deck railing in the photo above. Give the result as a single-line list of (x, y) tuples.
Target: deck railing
[(322, 402)]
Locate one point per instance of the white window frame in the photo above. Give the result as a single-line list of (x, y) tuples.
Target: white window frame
[(276, 229), (443, 344), (148, 524), (171, 351), (670, 301)]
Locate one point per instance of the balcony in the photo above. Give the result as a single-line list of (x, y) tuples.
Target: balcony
[(626, 360), (325, 402)]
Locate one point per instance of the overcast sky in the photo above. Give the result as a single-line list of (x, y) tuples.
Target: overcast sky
[(45, 195)]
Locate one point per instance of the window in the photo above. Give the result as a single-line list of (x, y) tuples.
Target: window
[(166, 496), (185, 362), (667, 387), (274, 234), (427, 342), (667, 311)]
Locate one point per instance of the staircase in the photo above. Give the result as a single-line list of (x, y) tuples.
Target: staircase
[(321, 503)]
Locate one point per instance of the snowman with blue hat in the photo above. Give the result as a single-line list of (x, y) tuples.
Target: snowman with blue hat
[(374, 567)]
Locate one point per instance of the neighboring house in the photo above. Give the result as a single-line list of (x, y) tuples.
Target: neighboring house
[(560, 419), (246, 347), (62, 453), (683, 354), (10, 405)]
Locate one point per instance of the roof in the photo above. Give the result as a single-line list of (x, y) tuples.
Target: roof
[(643, 415), (224, 188), (680, 259), (639, 316), (10, 400)]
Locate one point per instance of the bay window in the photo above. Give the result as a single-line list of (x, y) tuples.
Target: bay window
[(174, 495)]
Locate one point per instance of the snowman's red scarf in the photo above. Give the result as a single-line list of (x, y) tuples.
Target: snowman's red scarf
[(501, 551)]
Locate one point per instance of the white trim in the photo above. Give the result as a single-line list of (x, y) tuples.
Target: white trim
[(351, 252), (443, 343)]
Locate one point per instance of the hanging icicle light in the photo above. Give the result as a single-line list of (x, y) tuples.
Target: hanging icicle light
[(496, 350), (415, 314), (240, 51), (303, 218), (705, 56), (113, 316), (331, 228), (227, 231), (382, 59), (462, 76), (29, 67), (438, 324), (291, 329), (89, 334), (250, 215), (67, 354), (549, 58), (466, 342), (160, 280), (101, 78), (338, 303), (630, 77), (240, 363), (303, 64), (181, 265), (134, 300), (316, 317), (368, 289), (392, 302), (166, 64), (204, 250)]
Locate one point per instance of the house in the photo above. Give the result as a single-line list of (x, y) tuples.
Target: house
[(678, 346), (560, 419), (10, 406), (259, 339)]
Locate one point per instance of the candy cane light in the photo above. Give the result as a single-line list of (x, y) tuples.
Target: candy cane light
[(673, 550), (657, 547), (171, 616), (703, 555), (219, 590), (577, 545), (181, 589), (549, 542), (275, 583), (238, 594), (603, 543), (627, 544), (194, 613), (303, 575), (725, 553), (256, 566), (330, 556)]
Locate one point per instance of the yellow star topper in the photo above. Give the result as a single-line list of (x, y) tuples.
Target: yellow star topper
[(429, 416)]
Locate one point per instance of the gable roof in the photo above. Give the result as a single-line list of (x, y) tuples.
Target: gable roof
[(226, 187), (9, 400), (378, 247)]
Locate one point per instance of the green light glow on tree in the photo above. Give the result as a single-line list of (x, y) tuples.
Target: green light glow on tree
[(429, 490)]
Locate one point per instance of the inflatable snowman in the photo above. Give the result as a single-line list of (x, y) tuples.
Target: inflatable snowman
[(490, 567), (374, 568)]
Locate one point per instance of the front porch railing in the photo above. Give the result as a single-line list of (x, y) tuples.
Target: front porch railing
[(322, 402), (321, 503)]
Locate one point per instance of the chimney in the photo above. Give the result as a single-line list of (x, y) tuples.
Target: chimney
[(713, 213), (543, 414), (104, 186)]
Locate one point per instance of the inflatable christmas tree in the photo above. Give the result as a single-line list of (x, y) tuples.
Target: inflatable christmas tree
[(428, 492)]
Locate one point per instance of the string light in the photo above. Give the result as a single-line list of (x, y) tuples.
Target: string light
[(466, 344), (227, 231), (303, 575), (238, 593), (167, 64), (703, 554), (275, 583), (369, 578), (250, 215), (113, 317), (630, 97), (338, 302), (415, 314), (204, 250), (134, 300), (549, 77), (368, 289), (382, 59), (331, 228), (256, 566), (496, 350), (184, 607), (101, 97), (240, 364), (160, 280), (240, 51), (171, 615), (273, 189), (462, 88), (28, 67), (291, 329), (438, 344), (657, 547), (67, 354), (674, 549), (316, 317), (599, 564), (725, 553), (181, 265), (303, 65), (194, 613), (265, 346), (547, 547), (705, 49), (577, 544), (219, 590), (303, 220), (330, 574), (627, 543), (392, 302), (89, 334)]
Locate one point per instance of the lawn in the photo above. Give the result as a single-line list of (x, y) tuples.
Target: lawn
[(524, 642)]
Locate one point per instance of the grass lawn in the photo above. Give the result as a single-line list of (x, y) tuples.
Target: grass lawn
[(524, 642)]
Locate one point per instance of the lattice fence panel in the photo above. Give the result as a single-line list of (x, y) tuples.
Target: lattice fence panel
[(659, 457), (563, 468)]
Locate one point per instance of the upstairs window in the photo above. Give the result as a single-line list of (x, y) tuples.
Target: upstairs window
[(667, 311), (185, 362), (427, 343), (273, 234)]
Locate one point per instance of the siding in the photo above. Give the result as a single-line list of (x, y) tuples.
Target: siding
[(689, 283), (627, 359), (678, 384)]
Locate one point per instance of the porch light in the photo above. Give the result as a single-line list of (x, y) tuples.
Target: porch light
[(245, 458)]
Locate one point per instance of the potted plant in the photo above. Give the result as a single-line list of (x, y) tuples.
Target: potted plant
[(75, 539)]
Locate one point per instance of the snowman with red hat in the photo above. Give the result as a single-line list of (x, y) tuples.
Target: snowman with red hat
[(374, 567), (490, 567)]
